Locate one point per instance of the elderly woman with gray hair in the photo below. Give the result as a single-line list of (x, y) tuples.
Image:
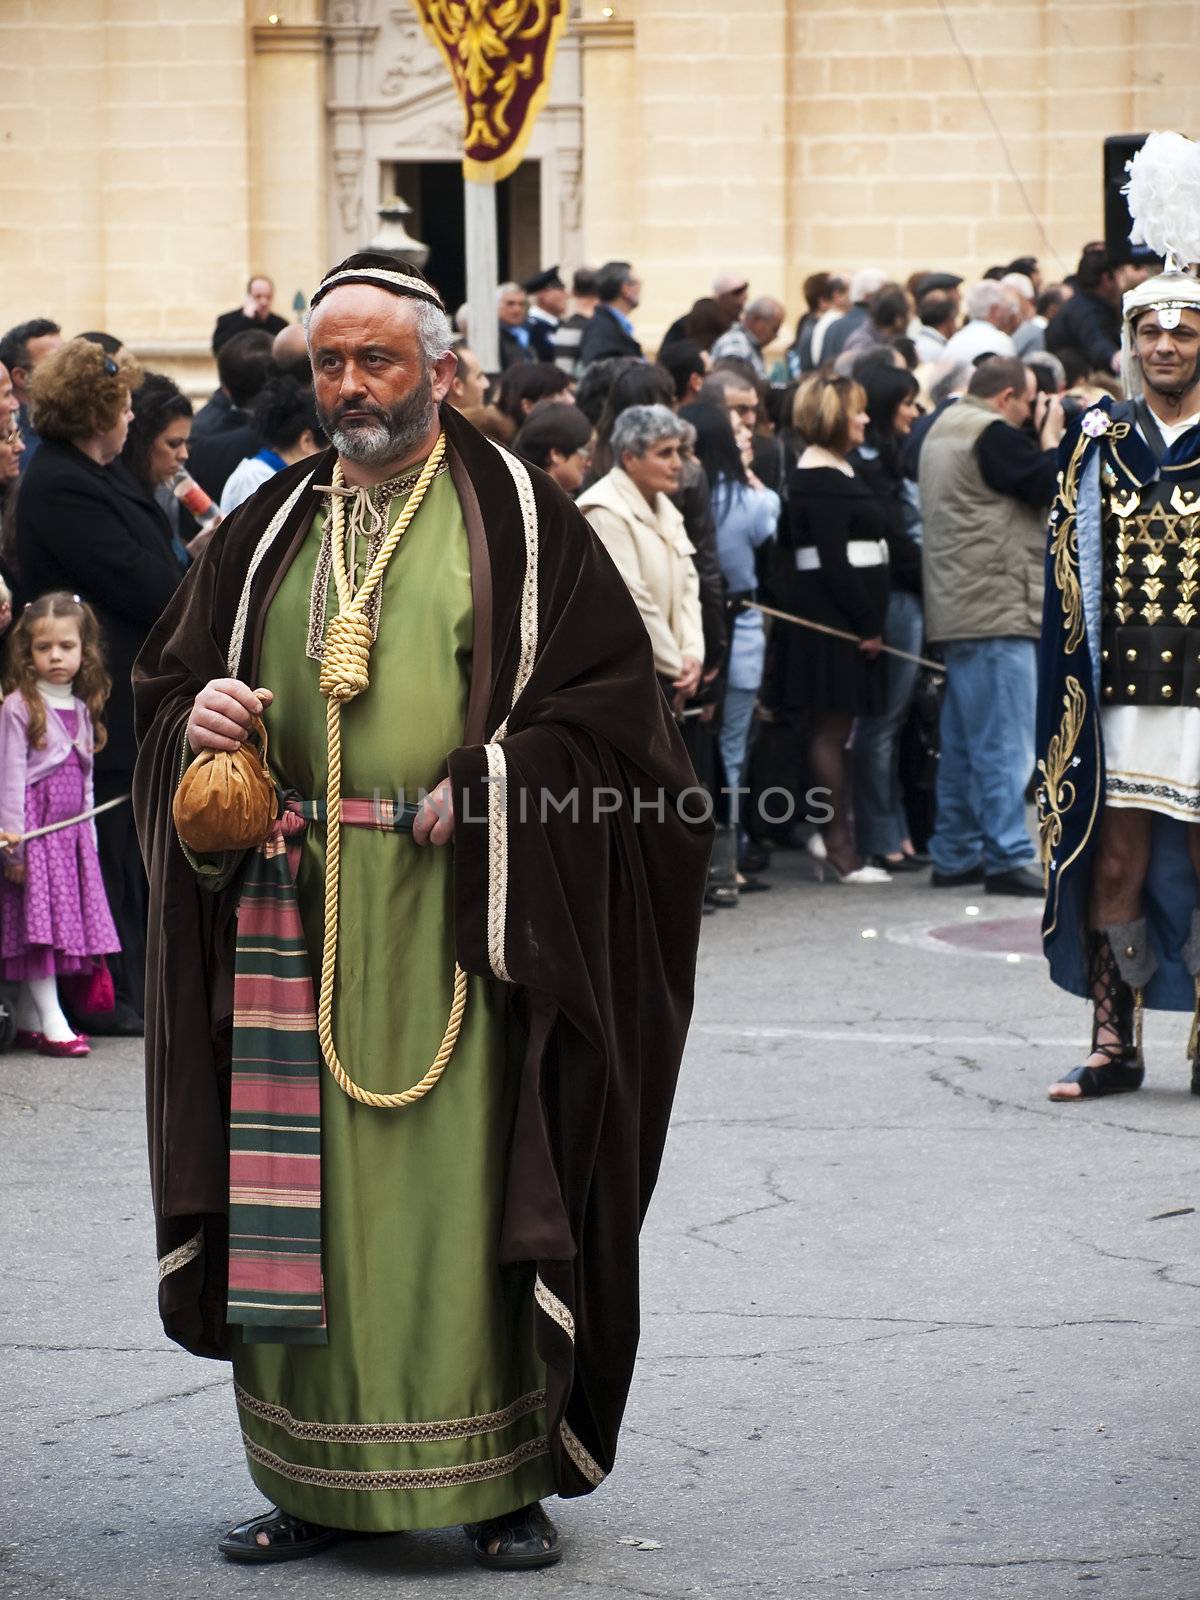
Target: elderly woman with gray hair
[(644, 534)]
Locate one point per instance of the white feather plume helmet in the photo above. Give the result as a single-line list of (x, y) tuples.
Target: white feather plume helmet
[(1164, 202), (1164, 198)]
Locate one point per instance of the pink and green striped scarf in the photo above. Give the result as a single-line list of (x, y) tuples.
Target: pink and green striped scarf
[(276, 1286)]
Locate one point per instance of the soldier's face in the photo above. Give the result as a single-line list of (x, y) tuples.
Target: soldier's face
[(1168, 356)]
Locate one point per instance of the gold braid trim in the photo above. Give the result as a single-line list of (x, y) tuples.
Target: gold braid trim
[(1064, 544), (389, 1432), (420, 1478), (1056, 793)]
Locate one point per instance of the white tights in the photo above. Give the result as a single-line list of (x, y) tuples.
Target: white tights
[(39, 1011)]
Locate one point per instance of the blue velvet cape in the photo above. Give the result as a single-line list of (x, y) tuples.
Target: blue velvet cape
[(1101, 451)]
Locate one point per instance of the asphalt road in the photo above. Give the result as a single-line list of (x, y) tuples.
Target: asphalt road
[(909, 1329)]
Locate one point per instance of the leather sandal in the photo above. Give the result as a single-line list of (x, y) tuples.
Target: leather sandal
[(289, 1538), (524, 1537), (1117, 1076), (1117, 1009)]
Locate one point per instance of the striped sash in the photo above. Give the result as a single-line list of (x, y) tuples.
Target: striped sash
[(276, 1288)]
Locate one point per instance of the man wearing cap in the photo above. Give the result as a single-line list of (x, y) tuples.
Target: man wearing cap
[(422, 1261), (547, 307), (730, 291), (1119, 702)]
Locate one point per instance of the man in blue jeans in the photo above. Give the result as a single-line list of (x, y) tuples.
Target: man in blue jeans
[(987, 477)]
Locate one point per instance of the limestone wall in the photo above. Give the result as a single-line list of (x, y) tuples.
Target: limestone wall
[(158, 151), (155, 154), (780, 136)]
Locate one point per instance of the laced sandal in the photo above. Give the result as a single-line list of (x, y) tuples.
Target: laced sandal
[(1117, 1009), (526, 1539), (288, 1538)]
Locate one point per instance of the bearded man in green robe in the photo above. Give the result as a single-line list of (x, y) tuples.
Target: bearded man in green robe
[(421, 1262)]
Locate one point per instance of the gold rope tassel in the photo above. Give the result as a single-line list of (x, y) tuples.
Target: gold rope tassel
[(345, 674)]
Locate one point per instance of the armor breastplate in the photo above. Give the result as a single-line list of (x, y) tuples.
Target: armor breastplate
[(1150, 646)]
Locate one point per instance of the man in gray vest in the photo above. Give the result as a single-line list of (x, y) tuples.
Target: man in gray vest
[(986, 485)]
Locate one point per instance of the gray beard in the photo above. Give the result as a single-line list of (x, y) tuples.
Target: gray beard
[(400, 435)]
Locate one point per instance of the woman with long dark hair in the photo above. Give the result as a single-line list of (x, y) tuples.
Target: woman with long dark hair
[(880, 821), (746, 516)]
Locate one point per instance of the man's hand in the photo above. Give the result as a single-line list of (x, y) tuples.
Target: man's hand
[(688, 681), (1051, 421), (871, 647), (222, 713), (434, 823)]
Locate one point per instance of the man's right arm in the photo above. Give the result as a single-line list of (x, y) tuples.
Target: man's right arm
[(1013, 464)]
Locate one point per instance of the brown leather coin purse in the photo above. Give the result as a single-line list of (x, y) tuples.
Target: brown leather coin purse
[(226, 799)]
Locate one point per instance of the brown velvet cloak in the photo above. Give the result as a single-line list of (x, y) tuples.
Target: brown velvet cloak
[(601, 922)]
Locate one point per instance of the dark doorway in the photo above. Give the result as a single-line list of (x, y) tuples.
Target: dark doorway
[(434, 189)]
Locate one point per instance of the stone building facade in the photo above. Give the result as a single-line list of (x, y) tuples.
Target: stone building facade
[(158, 151)]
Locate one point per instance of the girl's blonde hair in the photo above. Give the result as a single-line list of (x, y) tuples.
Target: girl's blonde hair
[(822, 410), (92, 682)]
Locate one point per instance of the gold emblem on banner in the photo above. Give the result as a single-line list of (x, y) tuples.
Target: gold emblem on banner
[(501, 57)]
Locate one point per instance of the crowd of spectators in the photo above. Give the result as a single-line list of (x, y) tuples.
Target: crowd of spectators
[(879, 473), (883, 479)]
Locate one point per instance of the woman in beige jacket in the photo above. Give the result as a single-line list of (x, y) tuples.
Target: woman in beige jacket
[(644, 534)]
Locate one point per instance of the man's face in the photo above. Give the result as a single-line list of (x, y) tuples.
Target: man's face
[(1168, 356), (44, 345), (470, 389), (1006, 314), (765, 329), (1015, 405), (553, 301), (261, 294), (631, 292), (743, 406), (733, 302), (376, 393), (511, 308)]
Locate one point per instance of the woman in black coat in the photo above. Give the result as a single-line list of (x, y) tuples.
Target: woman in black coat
[(84, 523), (833, 569)]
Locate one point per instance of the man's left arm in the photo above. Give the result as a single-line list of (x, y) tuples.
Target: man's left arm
[(1012, 463)]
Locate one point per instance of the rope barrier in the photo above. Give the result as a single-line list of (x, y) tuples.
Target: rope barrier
[(838, 633), (8, 840), (345, 674)]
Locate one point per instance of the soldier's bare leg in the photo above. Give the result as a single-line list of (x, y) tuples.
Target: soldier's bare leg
[(1119, 867)]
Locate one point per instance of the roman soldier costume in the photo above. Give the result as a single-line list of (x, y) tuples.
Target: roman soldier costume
[(1119, 683)]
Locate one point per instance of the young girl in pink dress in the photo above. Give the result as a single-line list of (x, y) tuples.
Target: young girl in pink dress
[(54, 918)]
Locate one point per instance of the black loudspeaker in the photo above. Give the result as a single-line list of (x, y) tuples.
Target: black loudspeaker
[(1119, 150)]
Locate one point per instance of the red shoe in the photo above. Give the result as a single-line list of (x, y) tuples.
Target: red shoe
[(78, 1046), (26, 1039)]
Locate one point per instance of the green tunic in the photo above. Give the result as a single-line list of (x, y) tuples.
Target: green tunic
[(427, 1405)]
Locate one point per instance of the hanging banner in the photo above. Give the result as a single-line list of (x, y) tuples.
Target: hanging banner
[(501, 55)]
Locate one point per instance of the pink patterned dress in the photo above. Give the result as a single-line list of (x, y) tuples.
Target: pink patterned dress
[(58, 921)]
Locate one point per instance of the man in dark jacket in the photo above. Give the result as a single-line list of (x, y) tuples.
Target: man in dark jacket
[(253, 313), (223, 434), (1090, 322), (610, 332)]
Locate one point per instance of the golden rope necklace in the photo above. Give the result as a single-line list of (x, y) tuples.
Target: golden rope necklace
[(345, 674)]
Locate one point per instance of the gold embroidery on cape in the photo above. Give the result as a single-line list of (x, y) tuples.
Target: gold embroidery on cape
[(583, 1458), (1056, 794), (421, 1478), (1064, 546), (389, 1432)]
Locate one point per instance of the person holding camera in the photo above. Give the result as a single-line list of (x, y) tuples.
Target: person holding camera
[(987, 477)]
